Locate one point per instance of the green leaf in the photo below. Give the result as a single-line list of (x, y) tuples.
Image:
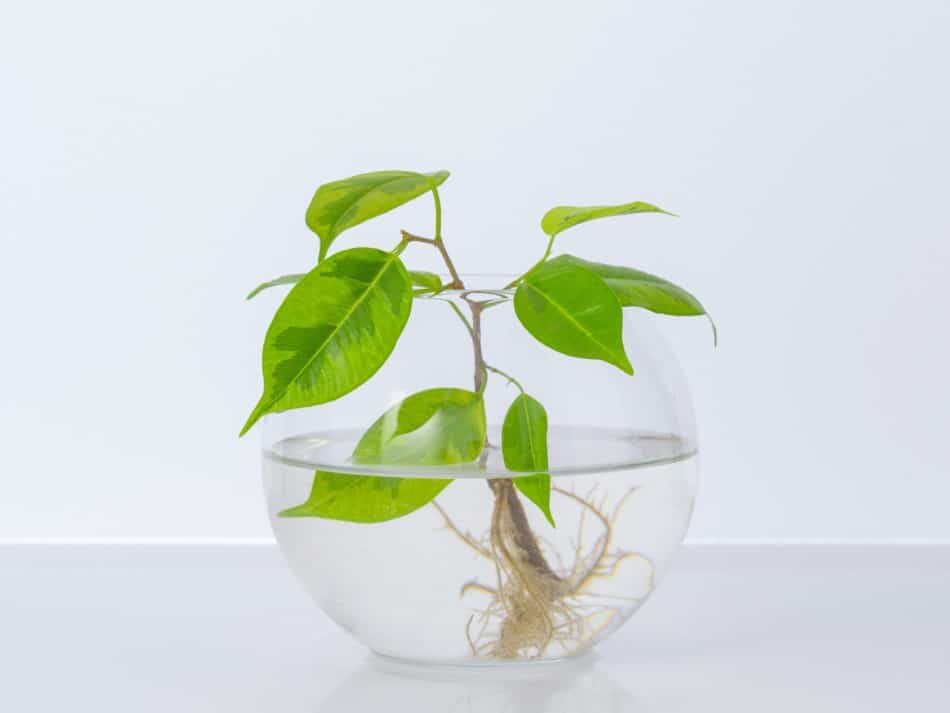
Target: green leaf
[(572, 310), (429, 280), (432, 427), (340, 205), (364, 498), (524, 446), (563, 217), (334, 330), (635, 288), (282, 280)]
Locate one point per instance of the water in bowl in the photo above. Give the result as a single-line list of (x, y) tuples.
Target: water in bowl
[(458, 581)]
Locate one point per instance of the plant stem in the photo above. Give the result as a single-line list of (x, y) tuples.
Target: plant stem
[(481, 375), (456, 283), (461, 316), (508, 376), (438, 213), (408, 237), (506, 496), (547, 253)]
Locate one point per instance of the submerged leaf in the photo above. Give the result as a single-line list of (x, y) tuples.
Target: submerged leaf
[(334, 330), (282, 280), (343, 204), (365, 498), (563, 217), (524, 446), (432, 427), (572, 310)]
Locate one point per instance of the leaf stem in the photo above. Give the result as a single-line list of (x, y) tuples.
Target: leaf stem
[(547, 254), (715, 330), (408, 237), (547, 250), (461, 315), (438, 213), (506, 375)]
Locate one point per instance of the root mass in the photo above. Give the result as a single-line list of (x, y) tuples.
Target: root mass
[(536, 609)]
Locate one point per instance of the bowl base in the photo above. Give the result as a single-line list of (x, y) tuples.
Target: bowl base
[(409, 666)]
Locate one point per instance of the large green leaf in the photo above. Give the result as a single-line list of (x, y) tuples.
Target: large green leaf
[(524, 446), (282, 280), (641, 289), (343, 204), (365, 498), (334, 330), (563, 217), (572, 310), (432, 427), (635, 288)]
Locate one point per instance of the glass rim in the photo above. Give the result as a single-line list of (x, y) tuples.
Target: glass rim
[(678, 448), (476, 283)]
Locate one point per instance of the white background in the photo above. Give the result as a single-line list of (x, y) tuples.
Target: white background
[(157, 159)]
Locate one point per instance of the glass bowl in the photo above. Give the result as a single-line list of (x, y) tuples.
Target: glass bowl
[(479, 576)]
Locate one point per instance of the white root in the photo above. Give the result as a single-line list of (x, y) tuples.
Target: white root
[(534, 607)]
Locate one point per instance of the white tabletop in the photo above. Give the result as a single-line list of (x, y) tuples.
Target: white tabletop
[(225, 628)]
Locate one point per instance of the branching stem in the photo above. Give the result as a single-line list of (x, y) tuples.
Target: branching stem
[(438, 244), (506, 496)]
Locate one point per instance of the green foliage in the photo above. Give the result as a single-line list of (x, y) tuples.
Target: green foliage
[(282, 280), (365, 498), (334, 330), (340, 322), (432, 427), (641, 289), (559, 219), (572, 310), (428, 280), (343, 204), (524, 446)]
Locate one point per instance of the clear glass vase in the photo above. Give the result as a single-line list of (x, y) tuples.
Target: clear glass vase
[(479, 575)]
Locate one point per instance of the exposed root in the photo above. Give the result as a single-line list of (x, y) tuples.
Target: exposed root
[(475, 586), (535, 609), (465, 537)]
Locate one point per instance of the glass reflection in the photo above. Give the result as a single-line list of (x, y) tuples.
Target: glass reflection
[(380, 684)]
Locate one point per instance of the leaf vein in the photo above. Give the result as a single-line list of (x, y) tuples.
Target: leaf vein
[(567, 315), (390, 261)]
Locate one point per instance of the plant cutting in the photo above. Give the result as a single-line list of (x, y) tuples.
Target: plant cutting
[(543, 592)]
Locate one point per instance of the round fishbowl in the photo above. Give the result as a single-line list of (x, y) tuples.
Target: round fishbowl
[(479, 574)]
